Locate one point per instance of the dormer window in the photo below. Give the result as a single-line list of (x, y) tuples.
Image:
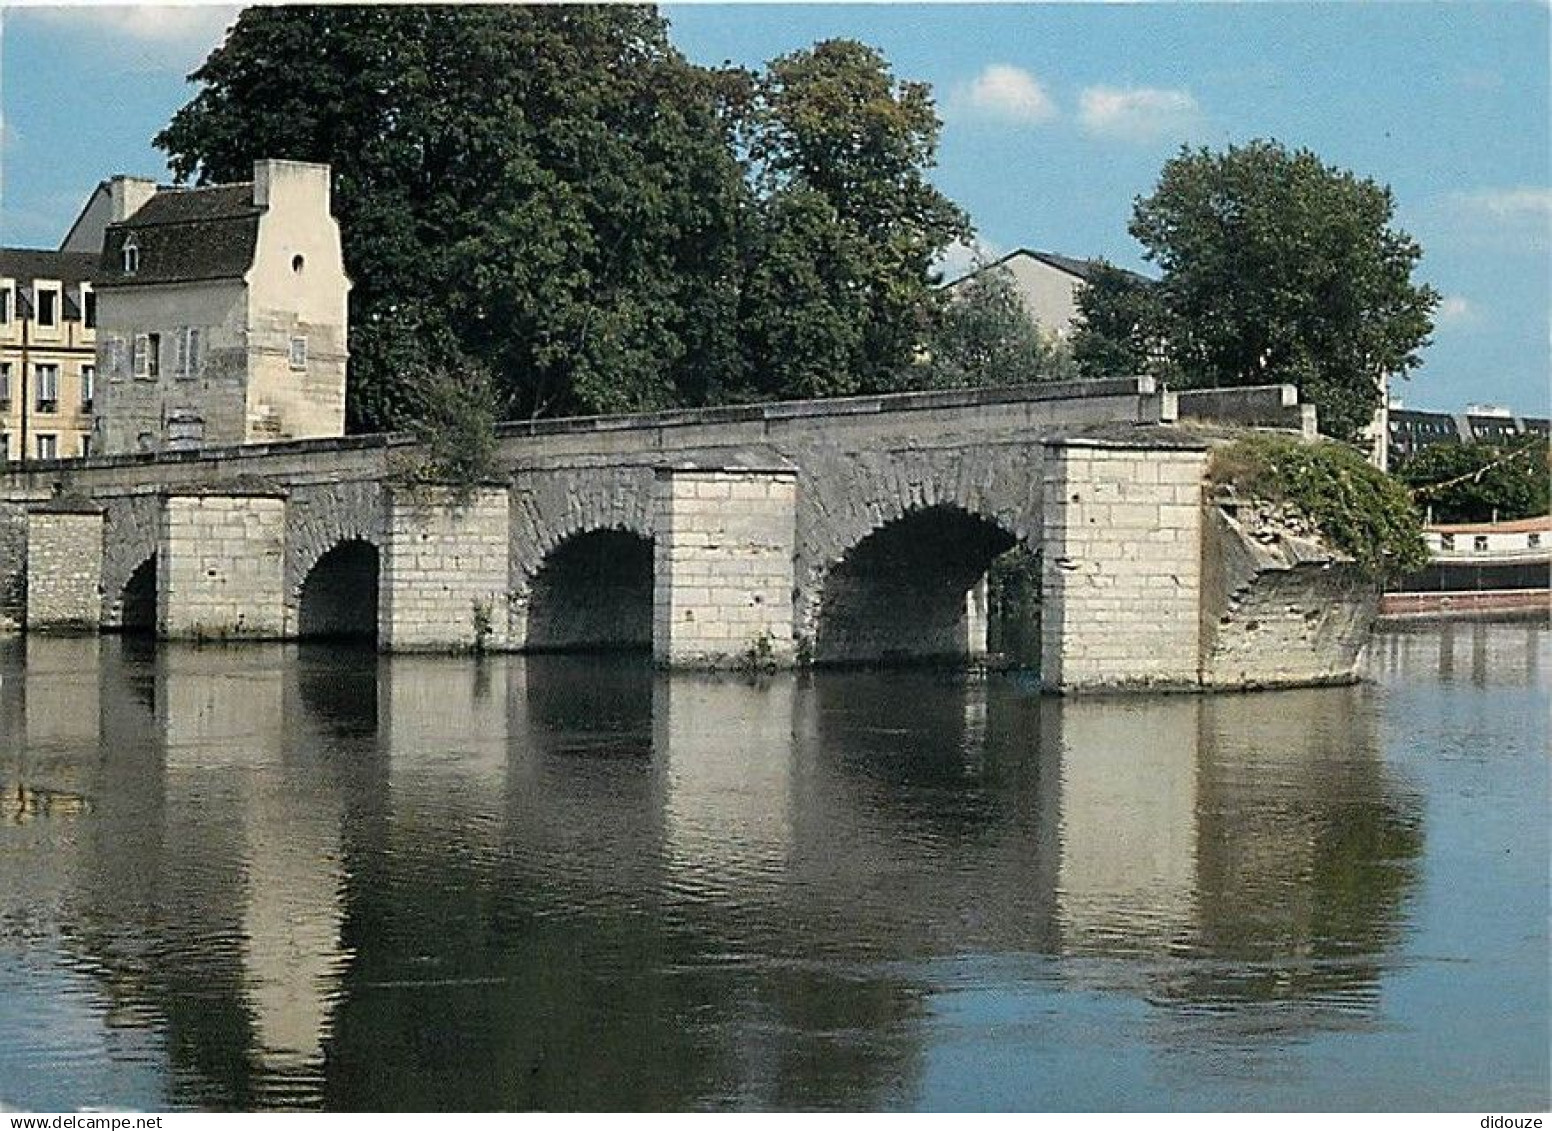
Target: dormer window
[(46, 300), (131, 256)]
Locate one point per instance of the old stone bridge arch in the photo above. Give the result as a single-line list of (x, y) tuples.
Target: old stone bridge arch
[(893, 544)]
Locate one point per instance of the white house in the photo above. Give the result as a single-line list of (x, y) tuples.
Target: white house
[(221, 311)]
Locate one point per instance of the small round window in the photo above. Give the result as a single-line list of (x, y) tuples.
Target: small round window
[(297, 263)]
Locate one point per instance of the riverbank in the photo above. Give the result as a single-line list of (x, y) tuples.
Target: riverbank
[(1497, 604)]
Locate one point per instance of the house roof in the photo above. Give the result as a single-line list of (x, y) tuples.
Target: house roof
[(185, 235), (26, 264), (1537, 525), (1082, 269)]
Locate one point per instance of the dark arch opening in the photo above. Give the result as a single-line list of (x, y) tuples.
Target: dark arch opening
[(339, 598), (593, 594), (903, 592), (137, 606)]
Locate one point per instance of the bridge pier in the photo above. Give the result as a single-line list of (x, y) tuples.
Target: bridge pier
[(220, 563), (64, 566), (443, 580), (1122, 569), (723, 576)]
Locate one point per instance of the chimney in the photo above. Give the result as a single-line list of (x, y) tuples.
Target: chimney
[(274, 179), (126, 195)]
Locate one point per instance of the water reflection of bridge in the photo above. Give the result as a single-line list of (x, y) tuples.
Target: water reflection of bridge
[(424, 881)]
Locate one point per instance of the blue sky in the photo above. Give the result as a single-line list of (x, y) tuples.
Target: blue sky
[(1055, 118)]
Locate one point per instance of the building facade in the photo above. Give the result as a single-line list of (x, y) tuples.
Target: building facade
[(1411, 430), (48, 362), (222, 311), (1047, 285)]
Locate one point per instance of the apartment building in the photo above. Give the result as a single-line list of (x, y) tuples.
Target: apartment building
[(48, 362)]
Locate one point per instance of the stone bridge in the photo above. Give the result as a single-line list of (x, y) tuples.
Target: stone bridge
[(853, 530)]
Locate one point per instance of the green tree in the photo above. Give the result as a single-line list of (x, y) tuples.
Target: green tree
[(846, 228), (983, 334), (557, 193), (1275, 268), (1481, 482), (455, 422), (552, 190), (1119, 319)]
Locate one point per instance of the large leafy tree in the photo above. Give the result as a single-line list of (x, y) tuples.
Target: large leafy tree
[(838, 264), (1480, 482), (552, 190), (1119, 318), (1275, 268), (557, 193)]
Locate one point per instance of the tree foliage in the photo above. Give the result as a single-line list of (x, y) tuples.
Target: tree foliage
[(1118, 323), (1276, 268), (454, 420), (556, 192), (983, 334), (1479, 482)]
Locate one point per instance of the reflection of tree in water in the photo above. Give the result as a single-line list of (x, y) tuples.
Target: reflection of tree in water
[(1308, 849), (471, 993)]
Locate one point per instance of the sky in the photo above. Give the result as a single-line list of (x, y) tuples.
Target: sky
[(1056, 118)]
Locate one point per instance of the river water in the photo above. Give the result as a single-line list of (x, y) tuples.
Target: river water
[(310, 877)]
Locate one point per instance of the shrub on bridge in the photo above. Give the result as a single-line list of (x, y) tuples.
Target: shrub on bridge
[(1356, 507), (455, 423)]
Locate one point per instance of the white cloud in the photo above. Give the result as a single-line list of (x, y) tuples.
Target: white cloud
[(1511, 219), (145, 37), (1138, 114), (959, 258), (148, 23), (1009, 94), (1511, 204), (1456, 310)]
